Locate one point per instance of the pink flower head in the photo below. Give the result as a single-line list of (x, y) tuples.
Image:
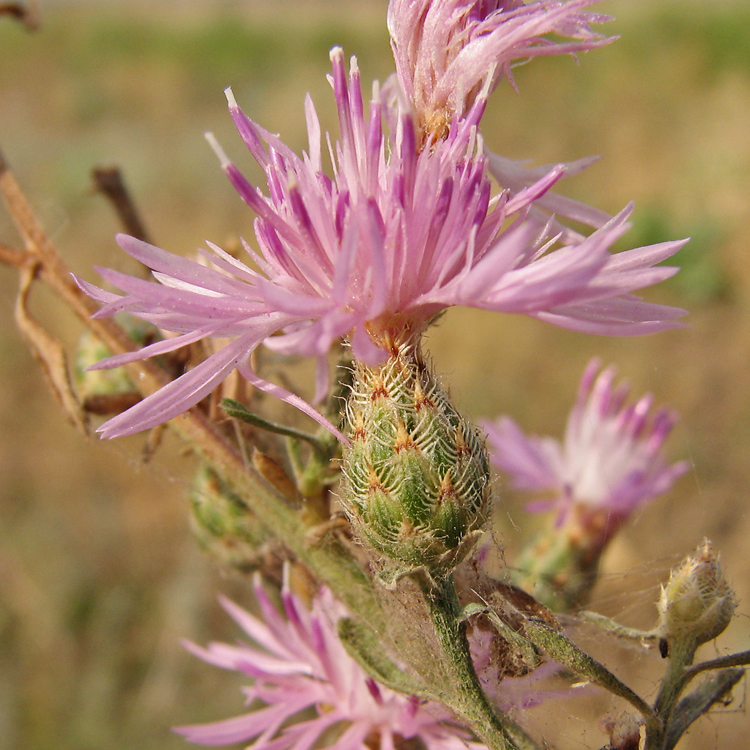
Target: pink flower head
[(298, 664), (447, 51), (372, 253), (611, 459)]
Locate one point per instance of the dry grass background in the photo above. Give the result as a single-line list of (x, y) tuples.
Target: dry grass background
[(98, 575)]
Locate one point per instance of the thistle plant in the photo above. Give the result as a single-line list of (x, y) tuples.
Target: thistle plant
[(365, 529)]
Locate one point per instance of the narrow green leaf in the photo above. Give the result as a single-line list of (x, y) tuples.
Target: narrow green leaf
[(363, 646), (239, 411)]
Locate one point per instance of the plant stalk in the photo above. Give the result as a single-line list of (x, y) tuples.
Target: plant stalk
[(467, 698)]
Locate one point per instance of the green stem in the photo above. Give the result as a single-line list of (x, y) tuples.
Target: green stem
[(467, 699), (713, 690), (681, 656), (562, 649), (239, 411), (620, 631), (740, 659), (678, 717)]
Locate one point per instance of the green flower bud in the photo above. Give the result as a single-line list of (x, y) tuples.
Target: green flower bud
[(416, 475), (557, 567), (91, 350), (223, 524), (108, 391), (697, 603)]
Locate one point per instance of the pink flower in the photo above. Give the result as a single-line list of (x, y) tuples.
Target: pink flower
[(447, 51), (611, 459), (298, 664), (397, 235)]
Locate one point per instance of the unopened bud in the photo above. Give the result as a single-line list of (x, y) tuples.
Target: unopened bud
[(223, 524), (697, 604), (108, 391), (416, 475)]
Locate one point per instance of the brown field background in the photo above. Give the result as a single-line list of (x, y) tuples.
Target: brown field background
[(99, 576)]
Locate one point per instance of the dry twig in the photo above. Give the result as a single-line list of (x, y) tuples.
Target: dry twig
[(25, 13), (49, 352), (110, 182)]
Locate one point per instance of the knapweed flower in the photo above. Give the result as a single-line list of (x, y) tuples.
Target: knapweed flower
[(372, 253), (447, 51), (549, 209), (308, 691), (611, 460), (610, 463)]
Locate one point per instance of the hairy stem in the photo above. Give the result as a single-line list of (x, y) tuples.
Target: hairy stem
[(716, 689), (680, 657), (562, 649), (467, 700), (740, 659)]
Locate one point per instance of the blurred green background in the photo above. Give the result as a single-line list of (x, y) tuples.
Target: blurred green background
[(99, 578)]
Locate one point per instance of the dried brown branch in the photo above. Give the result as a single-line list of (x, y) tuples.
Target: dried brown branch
[(49, 352), (25, 13), (51, 269), (147, 375), (110, 182), (12, 257), (153, 441)]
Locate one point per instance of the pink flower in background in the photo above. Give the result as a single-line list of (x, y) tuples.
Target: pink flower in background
[(299, 665), (611, 458), (447, 51), (397, 235)]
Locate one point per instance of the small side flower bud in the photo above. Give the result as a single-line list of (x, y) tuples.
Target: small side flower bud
[(697, 604), (108, 391), (416, 475), (224, 526)]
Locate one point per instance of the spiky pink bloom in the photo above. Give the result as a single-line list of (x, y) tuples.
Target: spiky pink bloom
[(397, 235), (551, 208), (298, 664), (447, 51), (610, 460)]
